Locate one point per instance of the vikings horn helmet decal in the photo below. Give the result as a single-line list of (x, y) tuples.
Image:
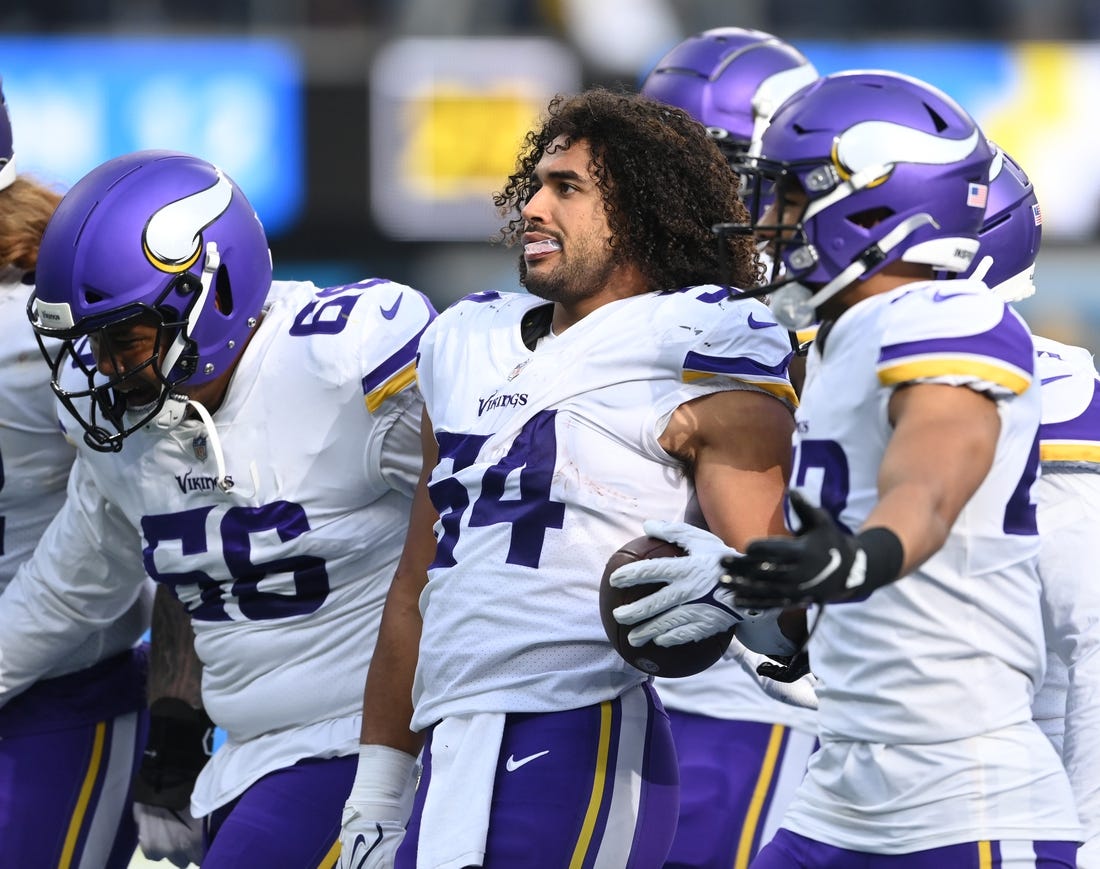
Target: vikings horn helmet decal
[(168, 240), (890, 168)]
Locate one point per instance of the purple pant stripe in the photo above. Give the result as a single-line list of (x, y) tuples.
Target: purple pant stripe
[(91, 788), (589, 787), (604, 778), (52, 793), (736, 780)]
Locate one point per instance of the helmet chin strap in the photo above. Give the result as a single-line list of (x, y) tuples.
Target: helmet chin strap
[(179, 344), (794, 305)]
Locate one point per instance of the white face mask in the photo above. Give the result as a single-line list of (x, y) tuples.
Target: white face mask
[(791, 306)]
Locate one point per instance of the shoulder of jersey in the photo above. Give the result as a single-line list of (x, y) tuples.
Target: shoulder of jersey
[(479, 312), (489, 305), (952, 328), (1070, 383), (936, 309), (710, 310), (701, 333), (965, 311), (709, 332), (384, 311), (368, 330)]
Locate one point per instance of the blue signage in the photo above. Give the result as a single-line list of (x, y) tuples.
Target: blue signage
[(78, 101)]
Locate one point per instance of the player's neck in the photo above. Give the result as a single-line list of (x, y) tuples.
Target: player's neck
[(625, 282), (890, 278)]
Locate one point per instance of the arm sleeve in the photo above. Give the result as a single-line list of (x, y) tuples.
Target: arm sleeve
[(401, 455), (389, 352), (84, 575)]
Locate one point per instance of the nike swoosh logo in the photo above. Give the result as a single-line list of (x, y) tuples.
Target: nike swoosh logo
[(826, 571), (940, 296), (358, 858), (511, 764), (1047, 380), (390, 313), (760, 324)]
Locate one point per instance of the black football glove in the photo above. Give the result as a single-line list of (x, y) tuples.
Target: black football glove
[(180, 741), (821, 564), (788, 669)]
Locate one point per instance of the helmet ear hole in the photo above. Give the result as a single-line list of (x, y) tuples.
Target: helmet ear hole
[(871, 216), (91, 296), (223, 292)]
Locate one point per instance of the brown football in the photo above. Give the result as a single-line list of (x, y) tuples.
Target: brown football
[(685, 659)]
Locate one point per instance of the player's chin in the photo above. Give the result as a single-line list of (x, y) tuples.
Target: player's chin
[(139, 399)]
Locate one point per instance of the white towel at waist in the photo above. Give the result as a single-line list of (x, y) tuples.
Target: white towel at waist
[(455, 823)]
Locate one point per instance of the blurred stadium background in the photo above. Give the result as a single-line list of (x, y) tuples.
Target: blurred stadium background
[(370, 134)]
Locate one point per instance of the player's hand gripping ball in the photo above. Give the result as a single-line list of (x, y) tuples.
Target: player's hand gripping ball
[(682, 659)]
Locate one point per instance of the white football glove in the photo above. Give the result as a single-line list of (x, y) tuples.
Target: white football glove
[(169, 834), (694, 604), (801, 692), (374, 818)]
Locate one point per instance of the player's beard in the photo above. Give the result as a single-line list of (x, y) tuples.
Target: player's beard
[(582, 273)]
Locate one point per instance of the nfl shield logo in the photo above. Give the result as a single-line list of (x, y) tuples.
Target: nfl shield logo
[(199, 446), (516, 371)]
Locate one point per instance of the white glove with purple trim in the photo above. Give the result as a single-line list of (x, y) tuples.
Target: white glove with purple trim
[(693, 604)]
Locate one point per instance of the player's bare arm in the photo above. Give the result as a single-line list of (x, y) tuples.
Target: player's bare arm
[(941, 449), (387, 702), (737, 445)]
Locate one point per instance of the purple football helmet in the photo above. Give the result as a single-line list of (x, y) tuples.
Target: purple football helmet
[(7, 149), (159, 235), (731, 80), (1010, 234), (892, 168)]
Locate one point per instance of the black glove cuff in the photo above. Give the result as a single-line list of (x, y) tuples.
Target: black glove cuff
[(180, 742), (885, 556)]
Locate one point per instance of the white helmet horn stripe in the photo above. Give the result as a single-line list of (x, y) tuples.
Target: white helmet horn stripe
[(874, 143), (173, 236)]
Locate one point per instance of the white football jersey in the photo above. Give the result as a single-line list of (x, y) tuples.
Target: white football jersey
[(1069, 443), (925, 687), (35, 458), (1068, 495), (549, 461), (285, 573)]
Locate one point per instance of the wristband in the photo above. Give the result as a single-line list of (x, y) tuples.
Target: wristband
[(885, 556), (385, 780)]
